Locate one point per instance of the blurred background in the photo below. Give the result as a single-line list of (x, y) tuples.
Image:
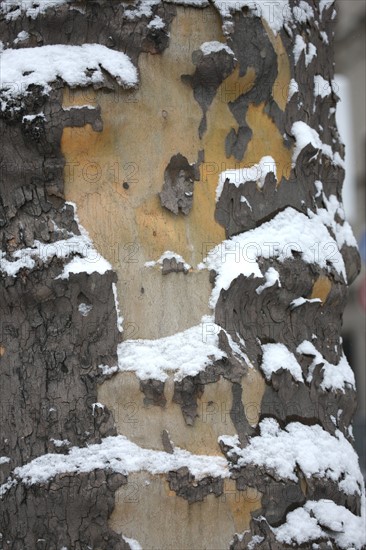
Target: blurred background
[(350, 54)]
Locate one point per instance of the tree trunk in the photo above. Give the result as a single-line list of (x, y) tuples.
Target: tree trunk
[(200, 199)]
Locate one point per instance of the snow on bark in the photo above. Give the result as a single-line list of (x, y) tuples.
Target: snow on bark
[(32, 8), (301, 301), (276, 14), (335, 377), (257, 173), (84, 257), (214, 46), (75, 65), (321, 519), (300, 46), (184, 354), (116, 454), (286, 453), (134, 545), (272, 277), (333, 208), (287, 233), (309, 448), (305, 135), (276, 357), (169, 255)]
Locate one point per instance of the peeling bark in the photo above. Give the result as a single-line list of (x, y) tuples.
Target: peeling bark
[(60, 337)]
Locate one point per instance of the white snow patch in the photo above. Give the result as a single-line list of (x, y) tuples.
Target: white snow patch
[(350, 431), (278, 238), (310, 448), (120, 455), (156, 23), (30, 118), (22, 35), (257, 539), (272, 277), (324, 37), (143, 8), (85, 106), (276, 13), (292, 89), (4, 459), (97, 406), (319, 188), (335, 377), (14, 8), (90, 261), (85, 309), (300, 527), (325, 4), (252, 544), (215, 46), (134, 545), (301, 301), (324, 518), (197, 3), (303, 13), (23, 67), (150, 264), (11, 268), (60, 442), (304, 135), (342, 232), (84, 265), (229, 440), (257, 173), (116, 303), (85, 257), (106, 369), (236, 348), (301, 46), (169, 255), (185, 353), (276, 357), (322, 87), (333, 419), (244, 200), (5, 487)]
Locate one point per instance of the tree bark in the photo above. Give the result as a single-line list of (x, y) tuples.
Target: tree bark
[(219, 413)]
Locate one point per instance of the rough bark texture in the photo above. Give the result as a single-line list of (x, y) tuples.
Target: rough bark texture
[(50, 352)]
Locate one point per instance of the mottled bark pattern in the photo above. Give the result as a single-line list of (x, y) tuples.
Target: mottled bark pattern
[(69, 511), (50, 353)]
